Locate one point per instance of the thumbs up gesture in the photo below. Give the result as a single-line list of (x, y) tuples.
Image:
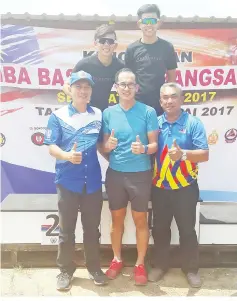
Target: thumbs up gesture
[(112, 142), (137, 147), (74, 156), (175, 152)]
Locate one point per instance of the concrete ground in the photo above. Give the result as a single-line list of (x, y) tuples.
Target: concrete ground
[(42, 282)]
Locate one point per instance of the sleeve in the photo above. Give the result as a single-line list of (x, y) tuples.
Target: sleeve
[(199, 137), (128, 59), (170, 61), (79, 66), (152, 121), (105, 123), (100, 137), (53, 133)]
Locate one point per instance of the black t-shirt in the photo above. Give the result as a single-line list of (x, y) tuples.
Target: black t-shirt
[(102, 75), (150, 62)]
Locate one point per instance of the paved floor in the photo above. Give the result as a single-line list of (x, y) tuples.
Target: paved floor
[(41, 282)]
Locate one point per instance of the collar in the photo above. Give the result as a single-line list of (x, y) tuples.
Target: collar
[(180, 120), (72, 110)]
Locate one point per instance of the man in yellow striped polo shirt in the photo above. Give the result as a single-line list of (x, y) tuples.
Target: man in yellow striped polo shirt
[(182, 144)]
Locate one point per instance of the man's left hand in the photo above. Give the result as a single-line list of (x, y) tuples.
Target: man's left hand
[(137, 147), (175, 152)]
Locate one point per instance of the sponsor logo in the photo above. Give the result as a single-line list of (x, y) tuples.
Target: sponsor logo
[(231, 135), (38, 138), (2, 139), (213, 138)]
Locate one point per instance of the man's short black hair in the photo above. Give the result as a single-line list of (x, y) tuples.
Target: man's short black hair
[(121, 71), (148, 8), (103, 30)]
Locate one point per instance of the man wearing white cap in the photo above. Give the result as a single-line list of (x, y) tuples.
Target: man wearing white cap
[(72, 135)]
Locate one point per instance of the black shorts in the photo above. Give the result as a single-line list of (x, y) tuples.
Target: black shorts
[(122, 187)]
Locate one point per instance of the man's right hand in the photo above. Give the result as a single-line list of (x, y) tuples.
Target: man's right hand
[(112, 142), (73, 156)]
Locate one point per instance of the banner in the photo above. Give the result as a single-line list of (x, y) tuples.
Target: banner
[(36, 61)]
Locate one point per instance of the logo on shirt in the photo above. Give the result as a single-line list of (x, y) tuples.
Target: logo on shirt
[(183, 131), (2, 139), (231, 135), (38, 138), (148, 58), (213, 138)]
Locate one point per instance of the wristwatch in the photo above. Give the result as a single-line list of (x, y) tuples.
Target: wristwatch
[(145, 149), (184, 156)]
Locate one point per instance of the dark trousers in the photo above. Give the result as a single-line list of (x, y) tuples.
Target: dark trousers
[(90, 206), (180, 204)]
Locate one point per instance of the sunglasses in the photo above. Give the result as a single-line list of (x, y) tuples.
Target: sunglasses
[(149, 21), (106, 40), (129, 85)]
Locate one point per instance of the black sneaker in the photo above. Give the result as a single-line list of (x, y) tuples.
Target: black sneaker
[(64, 282), (99, 277)]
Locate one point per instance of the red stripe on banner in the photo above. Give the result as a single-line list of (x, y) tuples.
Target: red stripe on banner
[(4, 112), (162, 186), (194, 165), (14, 95), (183, 168), (164, 153)]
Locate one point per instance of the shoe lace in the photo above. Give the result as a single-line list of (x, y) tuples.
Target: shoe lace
[(114, 264), (97, 274), (63, 276), (140, 270)]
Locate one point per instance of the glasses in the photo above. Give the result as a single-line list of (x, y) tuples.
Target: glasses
[(124, 85), (149, 21), (108, 41), (167, 97)]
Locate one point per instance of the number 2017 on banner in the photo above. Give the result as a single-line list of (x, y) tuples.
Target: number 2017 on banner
[(199, 97), (210, 111)]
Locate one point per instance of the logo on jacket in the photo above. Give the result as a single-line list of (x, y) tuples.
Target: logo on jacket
[(182, 130)]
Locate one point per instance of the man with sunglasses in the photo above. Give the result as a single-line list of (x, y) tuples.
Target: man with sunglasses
[(130, 137), (150, 58), (102, 66)]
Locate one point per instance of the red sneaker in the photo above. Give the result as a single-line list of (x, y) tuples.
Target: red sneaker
[(140, 275), (114, 269)]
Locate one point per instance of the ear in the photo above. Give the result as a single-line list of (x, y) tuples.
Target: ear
[(161, 102), (137, 88), (139, 24), (115, 86), (159, 24), (115, 46)]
